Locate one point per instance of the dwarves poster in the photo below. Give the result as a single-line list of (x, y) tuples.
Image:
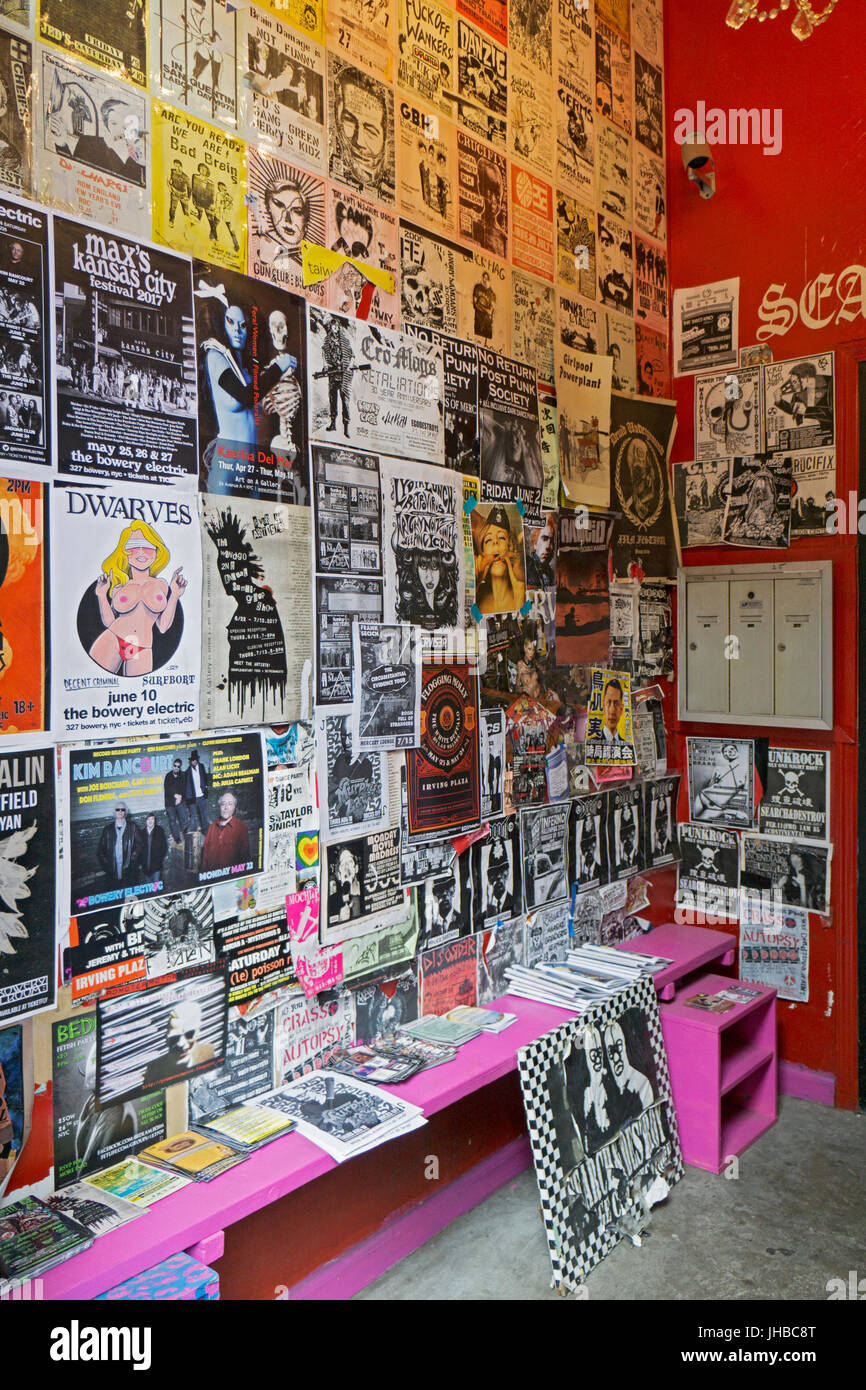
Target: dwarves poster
[(252, 427), (25, 354), (255, 634), (27, 883), (126, 610), (124, 373)]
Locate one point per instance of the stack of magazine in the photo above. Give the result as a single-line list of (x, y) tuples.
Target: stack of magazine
[(247, 1127), (193, 1155), (34, 1238), (586, 977), (442, 1029), (341, 1115)]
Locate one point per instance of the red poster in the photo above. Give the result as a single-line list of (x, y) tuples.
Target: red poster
[(442, 775), (489, 15), (532, 245), (23, 606), (448, 976)]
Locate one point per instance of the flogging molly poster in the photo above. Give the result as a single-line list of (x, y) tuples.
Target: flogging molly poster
[(423, 550), (511, 467), (106, 34), (193, 56), (92, 144), (285, 82), (252, 426), (126, 604), (125, 361), (373, 388), (641, 434), (24, 360), (15, 75), (443, 775), (256, 636), (24, 659), (27, 883), (198, 188)]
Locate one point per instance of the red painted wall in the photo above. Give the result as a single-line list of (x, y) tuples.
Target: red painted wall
[(784, 220)]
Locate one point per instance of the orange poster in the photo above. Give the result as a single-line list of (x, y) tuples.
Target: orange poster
[(23, 606)]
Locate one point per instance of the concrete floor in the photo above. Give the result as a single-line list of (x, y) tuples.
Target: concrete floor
[(793, 1219)]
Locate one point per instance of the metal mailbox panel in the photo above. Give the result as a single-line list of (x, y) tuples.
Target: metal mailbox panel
[(751, 654), (707, 668)]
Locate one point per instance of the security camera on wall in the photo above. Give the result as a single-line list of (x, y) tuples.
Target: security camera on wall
[(699, 164)]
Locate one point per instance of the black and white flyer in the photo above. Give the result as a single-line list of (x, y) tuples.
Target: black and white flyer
[(460, 368), (796, 800), (544, 845), (16, 62), (660, 821), (92, 144), (374, 389), (445, 903), (386, 710), (353, 791), (492, 747), (169, 1030), (428, 279), (107, 35), (511, 467), (361, 887), (758, 506), (129, 836), (700, 498), (546, 933), (709, 873), (194, 50), (423, 549), (246, 1072), (787, 872), (25, 432), (126, 610), (589, 862), (255, 634), (642, 430), (347, 507), (383, 1005), (497, 873), (285, 89), (124, 359), (27, 883), (799, 402), (774, 948), (257, 953), (500, 948), (583, 394), (814, 488), (360, 123), (706, 327), (625, 830), (340, 599), (252, 423), (729, 414), (721, 775)]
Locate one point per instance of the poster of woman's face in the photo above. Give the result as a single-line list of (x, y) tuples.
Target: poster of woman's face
[(612, 1079), (500, 563)]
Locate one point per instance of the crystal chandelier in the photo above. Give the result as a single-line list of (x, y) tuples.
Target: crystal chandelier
[(804, 21)]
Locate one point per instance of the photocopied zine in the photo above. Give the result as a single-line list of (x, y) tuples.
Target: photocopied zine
[(126, 627), (125, 388)]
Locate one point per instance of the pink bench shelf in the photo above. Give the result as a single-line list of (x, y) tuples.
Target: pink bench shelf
[(202, 1211), (723, 1072), (689, 948)]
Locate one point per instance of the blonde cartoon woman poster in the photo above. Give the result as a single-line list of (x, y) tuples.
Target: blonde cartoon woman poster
[(126, 636), (136, 607)]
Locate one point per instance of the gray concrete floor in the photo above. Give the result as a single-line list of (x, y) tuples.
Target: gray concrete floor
[(793, 1219)]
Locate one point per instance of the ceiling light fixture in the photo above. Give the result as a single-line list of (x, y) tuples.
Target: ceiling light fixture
[(804, 22)]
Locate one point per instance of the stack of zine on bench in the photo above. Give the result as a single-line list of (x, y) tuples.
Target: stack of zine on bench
[(343, 1116), (586, 977)]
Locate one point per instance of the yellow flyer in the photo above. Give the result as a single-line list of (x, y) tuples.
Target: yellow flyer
[(199, 182), (306, 16)]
